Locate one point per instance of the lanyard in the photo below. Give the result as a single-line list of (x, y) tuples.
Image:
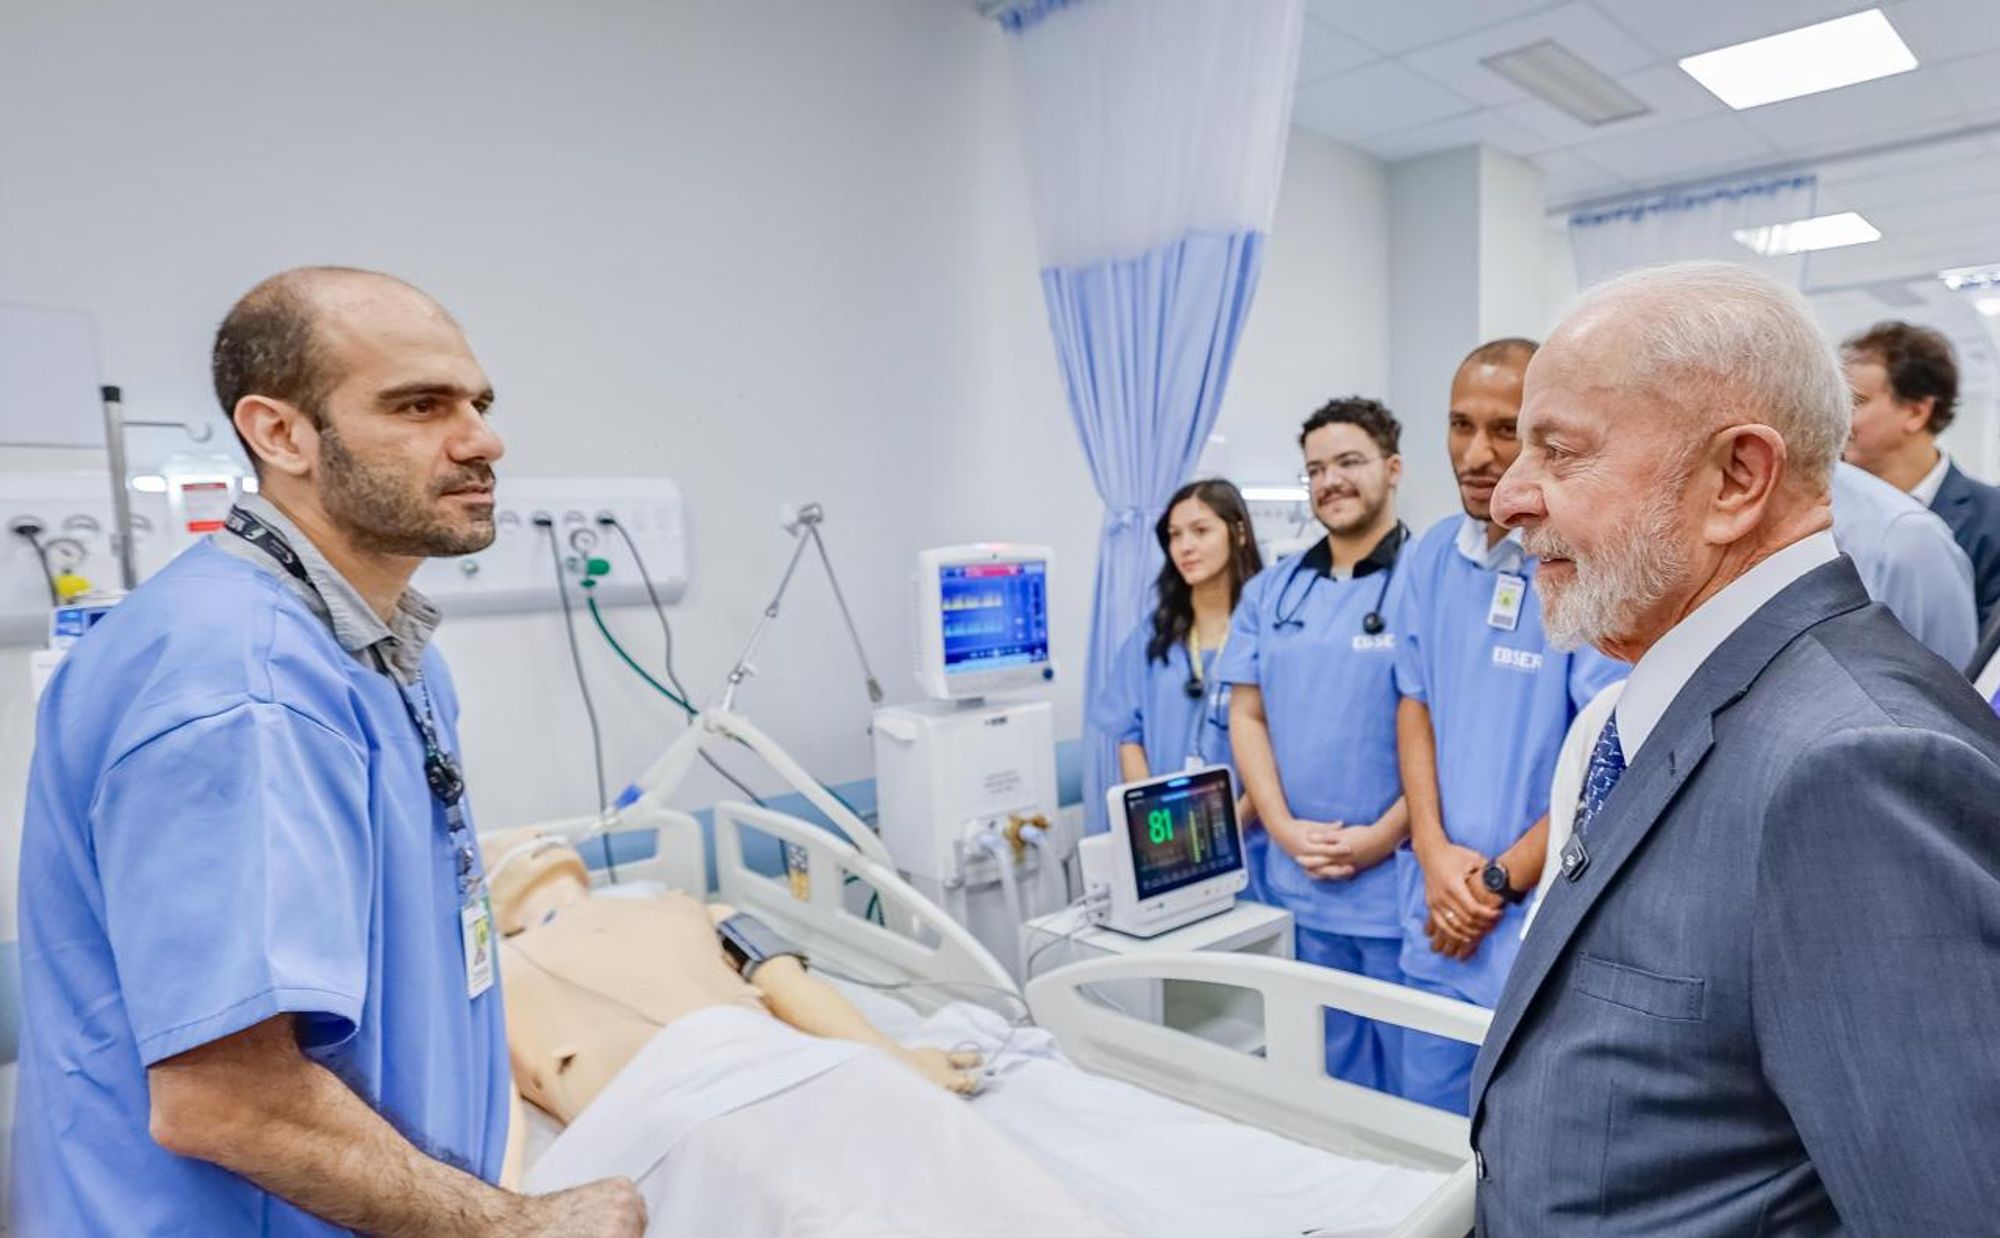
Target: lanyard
[(1207, 696), (441, 771), (1195, 677)]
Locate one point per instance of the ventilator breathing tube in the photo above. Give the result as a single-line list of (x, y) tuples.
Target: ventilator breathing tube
[(1003, 857)]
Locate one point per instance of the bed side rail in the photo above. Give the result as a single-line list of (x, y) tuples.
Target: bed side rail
[(916, 940), (679, 860), (1286, 1089)]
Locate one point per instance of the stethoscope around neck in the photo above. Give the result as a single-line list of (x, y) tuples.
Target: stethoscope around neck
[(1372, 623), (1197, 689)]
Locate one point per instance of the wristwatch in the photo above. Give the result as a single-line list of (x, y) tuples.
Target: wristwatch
[(1494, 877)]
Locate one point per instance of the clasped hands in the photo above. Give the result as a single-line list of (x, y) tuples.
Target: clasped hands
[(1333, 850), (1462, 910)]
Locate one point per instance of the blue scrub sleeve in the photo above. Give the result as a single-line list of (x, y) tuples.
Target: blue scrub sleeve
[(1119, 715), (1590, 673), (1238, 662), (1408, 609), (236, 863)]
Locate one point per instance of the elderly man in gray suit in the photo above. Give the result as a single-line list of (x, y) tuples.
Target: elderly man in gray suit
[(1763, 997)]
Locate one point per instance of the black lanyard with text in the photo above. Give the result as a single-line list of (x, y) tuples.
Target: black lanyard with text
[(441, 770)]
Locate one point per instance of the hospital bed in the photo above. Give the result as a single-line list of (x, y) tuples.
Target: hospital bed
[(1117, 1103)]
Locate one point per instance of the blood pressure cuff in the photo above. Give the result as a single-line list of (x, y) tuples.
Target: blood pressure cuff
[(750, 943)]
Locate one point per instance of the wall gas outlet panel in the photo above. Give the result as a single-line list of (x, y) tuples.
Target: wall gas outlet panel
[(515, 574)]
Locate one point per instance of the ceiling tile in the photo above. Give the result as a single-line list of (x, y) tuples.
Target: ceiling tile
[(1580, 28), (1973, 83), (1975, 181), (1682, 151), (1684, 27), (1324, 51), (1968, 212), (1487, 128), (1672, 94), (1569, 177), (1960, 156), (1907, 255), (1400, 27), (1856, 115), (1943, 30), (1374, 99)]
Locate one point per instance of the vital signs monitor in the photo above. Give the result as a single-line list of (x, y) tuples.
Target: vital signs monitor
[(982, 619), (1175, 851)]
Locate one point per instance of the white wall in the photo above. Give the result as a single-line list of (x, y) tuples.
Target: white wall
[(1434, 314), (1320, 324), (1473, 260), (776, 249)]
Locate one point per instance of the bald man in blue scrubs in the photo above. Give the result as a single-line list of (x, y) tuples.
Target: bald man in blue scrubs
[(1486, 701), (257, 957)]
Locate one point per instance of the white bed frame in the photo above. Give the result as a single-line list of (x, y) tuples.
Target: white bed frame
[(1284, 1090)]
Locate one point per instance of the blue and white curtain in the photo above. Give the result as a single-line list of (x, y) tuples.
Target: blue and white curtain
[(1682, 227), (1155, 132)]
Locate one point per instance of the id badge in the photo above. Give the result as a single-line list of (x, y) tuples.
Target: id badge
[(1509, 591), (475, 921)]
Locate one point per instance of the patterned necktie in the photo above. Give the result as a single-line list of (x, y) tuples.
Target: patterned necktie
[(1607, 765)]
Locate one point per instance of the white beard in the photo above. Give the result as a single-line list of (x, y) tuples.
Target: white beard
[(1611, 588)]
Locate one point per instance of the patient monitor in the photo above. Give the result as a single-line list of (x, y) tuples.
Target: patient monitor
[(982, 620), (966, 785), (1173, 855)]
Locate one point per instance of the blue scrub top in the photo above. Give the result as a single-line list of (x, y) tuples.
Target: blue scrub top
[(1330, 703), (227, 820), (1148, 705), (1501, 702)]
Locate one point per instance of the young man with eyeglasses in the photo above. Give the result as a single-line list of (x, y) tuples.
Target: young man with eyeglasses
[(1311, 663)]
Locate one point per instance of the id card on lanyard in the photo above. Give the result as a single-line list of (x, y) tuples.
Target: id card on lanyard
[(1509, 591), (1192, 758), (441, 772)]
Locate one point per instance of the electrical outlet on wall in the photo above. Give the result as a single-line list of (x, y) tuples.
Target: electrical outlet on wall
[(518, 571), (73, 515)]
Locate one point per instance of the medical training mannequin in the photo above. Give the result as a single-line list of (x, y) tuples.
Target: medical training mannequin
[(590, 980)]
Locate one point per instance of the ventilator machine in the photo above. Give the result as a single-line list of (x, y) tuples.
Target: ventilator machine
[(966, 779)]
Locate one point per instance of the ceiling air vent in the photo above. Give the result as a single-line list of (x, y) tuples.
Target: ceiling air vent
[(1557, 76)]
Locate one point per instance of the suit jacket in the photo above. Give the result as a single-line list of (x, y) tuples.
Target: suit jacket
[(1972, 509), (1989, 644), (1770, 1002)]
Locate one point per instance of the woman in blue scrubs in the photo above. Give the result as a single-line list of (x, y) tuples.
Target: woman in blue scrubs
[(1167, 709)]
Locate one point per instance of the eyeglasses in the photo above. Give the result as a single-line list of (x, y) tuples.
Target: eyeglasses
[(1347, 466)]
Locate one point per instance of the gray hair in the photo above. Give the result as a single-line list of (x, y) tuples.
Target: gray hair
[(1717, 338)]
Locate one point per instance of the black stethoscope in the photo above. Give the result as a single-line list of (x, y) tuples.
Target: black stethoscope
[(1372, 623), (1194, 688), (1197, 690)]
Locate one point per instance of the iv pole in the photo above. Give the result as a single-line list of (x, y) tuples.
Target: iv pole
[(115, 423), (666, 774)]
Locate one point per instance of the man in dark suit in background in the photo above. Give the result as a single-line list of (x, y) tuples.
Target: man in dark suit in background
[(1761, 996), (1905, 382)]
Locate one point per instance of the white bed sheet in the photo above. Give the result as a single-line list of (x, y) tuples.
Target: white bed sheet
[(1161, 1168), (735, 1126)]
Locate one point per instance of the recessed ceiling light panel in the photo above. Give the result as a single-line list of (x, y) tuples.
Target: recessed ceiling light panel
[(1858, 48), (1805, 235)]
